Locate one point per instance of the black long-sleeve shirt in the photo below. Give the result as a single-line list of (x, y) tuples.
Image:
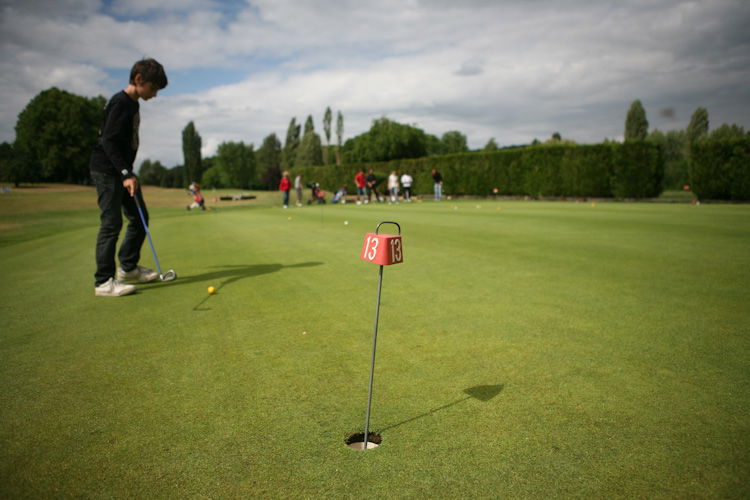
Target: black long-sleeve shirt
[(115, 152)]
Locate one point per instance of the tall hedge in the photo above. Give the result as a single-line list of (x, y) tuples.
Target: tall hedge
[(632, 170), (585, 171), (637, 170), (720, 169)]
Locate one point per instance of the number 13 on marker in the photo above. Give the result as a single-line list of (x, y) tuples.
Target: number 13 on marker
[(383, 249)]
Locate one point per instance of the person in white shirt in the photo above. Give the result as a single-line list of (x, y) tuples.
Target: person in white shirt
[(393, 186), (406, 182)]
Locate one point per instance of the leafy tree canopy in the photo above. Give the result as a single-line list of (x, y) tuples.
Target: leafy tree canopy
[(636, 124), (55, 135), (732, 131), (191, 150), (454, 142), (698, 127), (235, 164), (386, 140), (152, 173), (491, 145), (268, 160)]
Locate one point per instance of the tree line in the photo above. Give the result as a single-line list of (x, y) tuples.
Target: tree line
[(240, 165), (678, 145), (57, 130)]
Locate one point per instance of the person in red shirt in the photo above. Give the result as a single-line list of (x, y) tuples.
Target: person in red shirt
[(359, 180), (284, 186)]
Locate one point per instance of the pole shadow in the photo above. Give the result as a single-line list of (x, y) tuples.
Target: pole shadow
[(482, 393)]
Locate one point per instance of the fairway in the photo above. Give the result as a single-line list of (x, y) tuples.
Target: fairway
[(525, 349)]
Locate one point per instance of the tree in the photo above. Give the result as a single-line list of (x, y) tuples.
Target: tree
[(636, 125), (327, 117), (236, 164), (269, 162), (174, 177), (310, 150), (191, 150), (55, 135), (289, 153), (454, 142), (557, 140), (152, 173), (11, 169), (207, 163), (386, 140), (732, 131), (698, 127), (675, 164), (433, 145), (339, 136), (211, 178), (491, 145)]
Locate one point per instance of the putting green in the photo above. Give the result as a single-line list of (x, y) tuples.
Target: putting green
[(525, 349)]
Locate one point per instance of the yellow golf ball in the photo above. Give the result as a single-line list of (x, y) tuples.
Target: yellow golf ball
[(211, 290)]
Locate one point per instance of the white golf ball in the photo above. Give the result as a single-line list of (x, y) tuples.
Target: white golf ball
[(346, 222)]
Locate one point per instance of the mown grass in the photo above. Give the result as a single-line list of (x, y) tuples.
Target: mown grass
[(526, 349)]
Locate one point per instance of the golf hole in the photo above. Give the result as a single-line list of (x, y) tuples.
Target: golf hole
[(356, 441)]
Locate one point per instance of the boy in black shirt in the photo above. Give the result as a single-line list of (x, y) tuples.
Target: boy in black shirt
[(111, 168)]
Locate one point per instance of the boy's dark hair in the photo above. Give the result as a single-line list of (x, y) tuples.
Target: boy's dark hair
[(150, 71)]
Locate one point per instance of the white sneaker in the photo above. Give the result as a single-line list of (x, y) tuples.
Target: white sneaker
[(113, 288), (140, 274)]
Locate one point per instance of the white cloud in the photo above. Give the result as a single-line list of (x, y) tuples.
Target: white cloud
[(510, 70)]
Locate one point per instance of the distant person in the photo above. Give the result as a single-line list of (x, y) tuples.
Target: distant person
[(284, 186), (340, 195), (361, 183), (198, 201), (298, 189), (393, 186), (438, 188), (117, 186), (317, 195), (372, 185), (406, 182)]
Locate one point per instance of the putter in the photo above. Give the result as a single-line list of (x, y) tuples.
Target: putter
[(169, 275)]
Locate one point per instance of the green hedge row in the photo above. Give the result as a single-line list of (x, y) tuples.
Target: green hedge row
[(720, 169), (630, 170)]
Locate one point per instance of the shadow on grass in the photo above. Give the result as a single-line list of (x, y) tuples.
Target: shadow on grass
[(226, 275), (479, 392), (231, 274)]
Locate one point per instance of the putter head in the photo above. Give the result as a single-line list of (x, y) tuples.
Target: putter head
[(168, 276)]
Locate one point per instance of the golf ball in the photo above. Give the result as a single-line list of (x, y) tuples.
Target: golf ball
[(211, 290), (346, 222)]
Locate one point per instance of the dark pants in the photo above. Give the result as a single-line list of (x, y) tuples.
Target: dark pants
[(114, 200)]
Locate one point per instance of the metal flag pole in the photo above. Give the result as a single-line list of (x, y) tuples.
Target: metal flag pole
[(372, 365), (384, 250)]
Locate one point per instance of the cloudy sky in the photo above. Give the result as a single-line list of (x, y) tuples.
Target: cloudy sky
[(512, 70)]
